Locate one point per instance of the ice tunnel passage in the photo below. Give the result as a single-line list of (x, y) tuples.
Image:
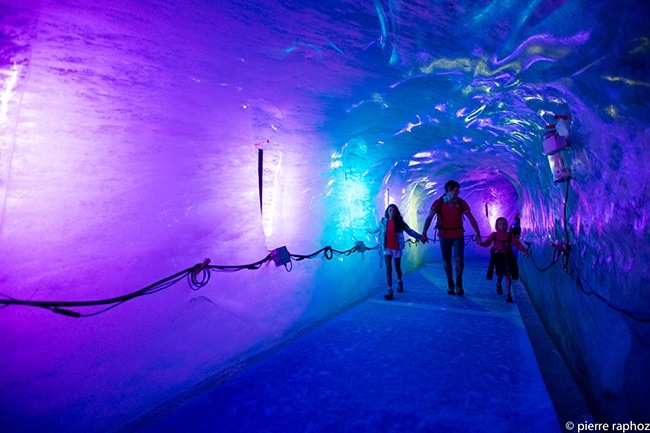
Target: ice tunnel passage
[(131, 135)]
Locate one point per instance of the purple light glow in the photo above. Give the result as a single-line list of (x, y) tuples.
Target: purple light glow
[(128, 135)]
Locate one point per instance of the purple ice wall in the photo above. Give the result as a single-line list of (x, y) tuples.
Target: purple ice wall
[(138, 138)]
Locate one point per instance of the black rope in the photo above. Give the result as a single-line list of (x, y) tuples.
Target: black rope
[(327, 252), (53, 304), (198, 276), (564, 250), (567, 251), (639, 317), (556, 257), (235, 268)]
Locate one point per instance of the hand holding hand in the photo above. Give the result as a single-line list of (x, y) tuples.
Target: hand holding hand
[(424, 239)]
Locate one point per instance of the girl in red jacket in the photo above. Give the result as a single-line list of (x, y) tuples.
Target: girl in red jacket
[(391, 245), (501, 256)]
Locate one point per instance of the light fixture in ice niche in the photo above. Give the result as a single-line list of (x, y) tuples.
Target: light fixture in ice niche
[(260, 169), (556, 148)]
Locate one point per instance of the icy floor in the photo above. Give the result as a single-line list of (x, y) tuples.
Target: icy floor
[(424, 362)]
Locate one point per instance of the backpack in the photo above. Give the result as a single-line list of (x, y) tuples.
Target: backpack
[(509, 241), (462, 203), (515, 229)]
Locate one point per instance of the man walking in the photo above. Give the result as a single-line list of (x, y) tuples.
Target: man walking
[(450, 210)]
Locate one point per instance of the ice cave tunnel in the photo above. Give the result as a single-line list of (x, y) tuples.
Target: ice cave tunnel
[(187, 188)]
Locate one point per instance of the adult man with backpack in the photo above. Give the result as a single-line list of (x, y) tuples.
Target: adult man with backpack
[(450, 210)]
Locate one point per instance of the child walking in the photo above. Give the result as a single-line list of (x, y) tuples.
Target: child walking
[(501, 256), (391, 245)]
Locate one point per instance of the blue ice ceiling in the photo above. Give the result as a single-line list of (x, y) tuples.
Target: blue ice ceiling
[(139, 138)]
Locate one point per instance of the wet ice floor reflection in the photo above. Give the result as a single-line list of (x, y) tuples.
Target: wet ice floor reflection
[(425, 362)]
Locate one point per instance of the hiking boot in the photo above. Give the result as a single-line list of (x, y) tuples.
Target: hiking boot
[(499, 289), (508, 298), (459, 286), (389, 296), (450, 284), (400, 287)]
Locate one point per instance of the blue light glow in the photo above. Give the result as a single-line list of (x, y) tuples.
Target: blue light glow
[(127, 134)]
